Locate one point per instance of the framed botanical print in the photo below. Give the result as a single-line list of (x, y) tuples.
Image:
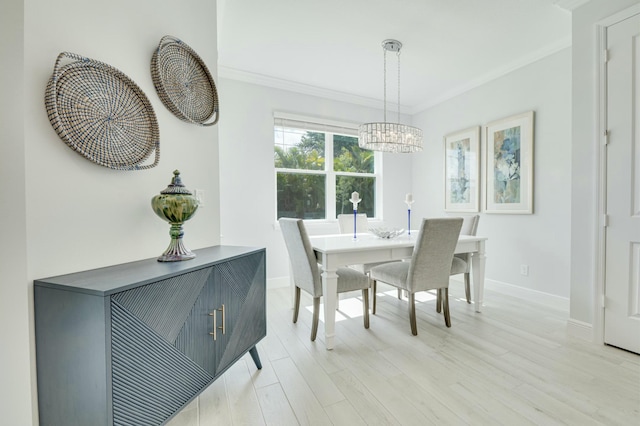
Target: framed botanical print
[(508, 183), (461, 170)]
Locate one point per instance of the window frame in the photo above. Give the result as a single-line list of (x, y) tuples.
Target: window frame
[(329, 128)]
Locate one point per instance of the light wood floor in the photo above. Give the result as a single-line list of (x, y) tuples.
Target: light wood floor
[(512, 364)]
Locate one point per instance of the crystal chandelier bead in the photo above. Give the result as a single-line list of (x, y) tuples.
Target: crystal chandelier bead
[(390, 137)]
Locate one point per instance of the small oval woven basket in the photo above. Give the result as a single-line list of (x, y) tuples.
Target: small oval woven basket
[(102, 114), (183, 82)]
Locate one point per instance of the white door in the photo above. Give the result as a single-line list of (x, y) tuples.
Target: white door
[(622, 279)]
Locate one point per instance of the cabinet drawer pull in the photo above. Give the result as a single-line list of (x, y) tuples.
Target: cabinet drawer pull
[(223, 328), (215, 328)]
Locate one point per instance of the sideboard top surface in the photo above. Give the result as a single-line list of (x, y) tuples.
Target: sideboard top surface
[(113, 279)]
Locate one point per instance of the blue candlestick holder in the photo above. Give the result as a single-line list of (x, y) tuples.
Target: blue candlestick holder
[(409, 221), (355, 217)]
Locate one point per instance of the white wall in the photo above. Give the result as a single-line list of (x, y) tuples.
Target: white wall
[(247, 176), (15, 386), (584, 177), (541, 240), (79, 215)]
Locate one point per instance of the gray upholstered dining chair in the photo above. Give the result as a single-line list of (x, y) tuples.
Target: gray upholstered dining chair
[(469, 227), (430, 265), (306, 274)]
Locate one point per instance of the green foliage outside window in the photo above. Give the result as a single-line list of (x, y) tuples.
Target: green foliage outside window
[(349, 157), (365, 186), (306, 155), (302, 195)]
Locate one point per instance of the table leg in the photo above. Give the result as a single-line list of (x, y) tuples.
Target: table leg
[(478, 261), (330, 296)]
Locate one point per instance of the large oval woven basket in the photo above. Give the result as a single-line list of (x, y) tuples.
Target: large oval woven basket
[(102, 114), (183, 82)]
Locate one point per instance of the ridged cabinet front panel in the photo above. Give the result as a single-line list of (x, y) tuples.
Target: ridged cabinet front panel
[(242, 288), (165, 305), (194, 340), (151, 379)]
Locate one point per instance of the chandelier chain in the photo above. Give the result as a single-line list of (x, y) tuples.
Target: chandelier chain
[(398, 54), (384, 74)]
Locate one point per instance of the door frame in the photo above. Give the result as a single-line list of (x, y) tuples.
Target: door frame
[(600, 139)]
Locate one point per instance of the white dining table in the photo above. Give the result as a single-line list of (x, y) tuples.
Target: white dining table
[(337, 250)]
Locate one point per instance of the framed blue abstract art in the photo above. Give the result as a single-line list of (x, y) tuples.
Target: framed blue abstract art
[(508, 183), (462, 170)]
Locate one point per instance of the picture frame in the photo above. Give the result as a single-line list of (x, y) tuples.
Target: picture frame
[(462, 171), (508, 153)]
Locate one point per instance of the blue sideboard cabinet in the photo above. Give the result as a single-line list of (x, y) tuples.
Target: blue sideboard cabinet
[(132, 344)]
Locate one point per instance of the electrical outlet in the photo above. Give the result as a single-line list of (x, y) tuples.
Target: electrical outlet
[(524, 270)]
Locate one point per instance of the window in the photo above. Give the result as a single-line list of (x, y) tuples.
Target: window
[(318, 166)]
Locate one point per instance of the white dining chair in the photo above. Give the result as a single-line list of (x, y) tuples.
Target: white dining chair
[(429, 268), (306, 274)]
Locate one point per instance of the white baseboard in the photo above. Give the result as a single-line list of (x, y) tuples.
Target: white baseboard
[(575, 327), (553, 300), (580, 329)]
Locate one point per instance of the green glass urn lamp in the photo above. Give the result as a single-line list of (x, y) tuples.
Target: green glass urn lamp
[(176, 204)]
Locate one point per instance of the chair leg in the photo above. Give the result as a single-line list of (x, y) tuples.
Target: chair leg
[(296, 305), (374, 291), (400, 293), (412, 314), (316, 318), (365, 306), (439, 301), (445, 303), (467, 287)]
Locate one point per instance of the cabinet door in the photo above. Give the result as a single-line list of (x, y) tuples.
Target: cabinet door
[(195, 339), (152, 339), (240, 285)]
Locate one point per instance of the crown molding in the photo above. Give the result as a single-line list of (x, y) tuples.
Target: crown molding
[(292, 86), (524, 61)]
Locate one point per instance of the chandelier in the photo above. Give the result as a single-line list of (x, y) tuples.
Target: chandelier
[(385, 136)]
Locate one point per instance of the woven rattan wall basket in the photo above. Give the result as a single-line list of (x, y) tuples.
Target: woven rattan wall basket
[(101, 114), (183, 83)]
